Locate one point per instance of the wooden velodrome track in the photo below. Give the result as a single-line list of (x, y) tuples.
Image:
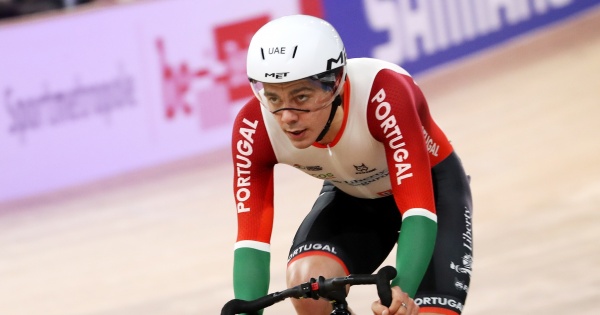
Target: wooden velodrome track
[(525, 119)]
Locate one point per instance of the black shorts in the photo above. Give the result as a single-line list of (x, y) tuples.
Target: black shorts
[(362, 232)]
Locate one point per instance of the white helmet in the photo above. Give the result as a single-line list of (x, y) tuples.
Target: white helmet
[(292, 48), (298, 47)]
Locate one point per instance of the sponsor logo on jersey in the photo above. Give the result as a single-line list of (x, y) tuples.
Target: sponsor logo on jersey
[(312, 247), (385, 193), (243, 164), (323, 176), (467, 236), (432, 147), (363, 169), (439, 301), (367, 180), (312, 168), (460, 285), (467, 261), (464, 267), (389, 125)]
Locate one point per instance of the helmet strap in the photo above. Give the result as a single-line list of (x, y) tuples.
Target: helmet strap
[(334, 105)]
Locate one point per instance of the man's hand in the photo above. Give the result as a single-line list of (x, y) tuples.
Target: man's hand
[(402, 304)]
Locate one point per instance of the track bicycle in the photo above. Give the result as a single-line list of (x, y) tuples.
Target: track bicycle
[(332, 289)]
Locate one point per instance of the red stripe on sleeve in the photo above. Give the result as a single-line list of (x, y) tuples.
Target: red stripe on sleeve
[(394, 120), (253, 163)]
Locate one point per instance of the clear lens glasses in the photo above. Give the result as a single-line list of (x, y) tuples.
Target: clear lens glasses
[(305, 95)]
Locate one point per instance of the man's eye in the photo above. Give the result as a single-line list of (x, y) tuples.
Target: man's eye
[(302, 98)]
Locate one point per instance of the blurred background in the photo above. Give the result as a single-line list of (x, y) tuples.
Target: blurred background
[(115, 169)]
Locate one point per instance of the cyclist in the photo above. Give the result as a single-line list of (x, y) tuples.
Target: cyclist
[(391, 176)]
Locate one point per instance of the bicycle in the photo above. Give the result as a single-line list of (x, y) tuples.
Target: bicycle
[(332, 289)]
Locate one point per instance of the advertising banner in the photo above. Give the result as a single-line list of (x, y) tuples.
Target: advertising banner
[(422, 34), (98, 93)]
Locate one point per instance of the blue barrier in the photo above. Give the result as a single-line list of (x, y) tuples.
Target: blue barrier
[(419, 35)]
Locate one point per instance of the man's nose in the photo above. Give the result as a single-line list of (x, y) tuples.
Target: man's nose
[(289, 115)]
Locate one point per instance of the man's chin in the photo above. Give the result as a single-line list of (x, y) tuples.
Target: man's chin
[(301, 144)]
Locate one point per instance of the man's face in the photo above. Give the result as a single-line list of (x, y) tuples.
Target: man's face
[(297, 107)]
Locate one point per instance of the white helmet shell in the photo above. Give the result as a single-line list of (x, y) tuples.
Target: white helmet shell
[(294, 47)]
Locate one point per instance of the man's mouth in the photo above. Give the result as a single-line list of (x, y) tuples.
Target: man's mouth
[(296, 132)]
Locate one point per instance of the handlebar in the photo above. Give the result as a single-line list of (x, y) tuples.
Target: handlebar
[(333, 289)]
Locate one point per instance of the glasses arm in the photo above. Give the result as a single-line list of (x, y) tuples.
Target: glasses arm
[(291, 108)]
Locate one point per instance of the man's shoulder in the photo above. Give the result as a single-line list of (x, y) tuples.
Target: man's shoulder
[(364, 72), (251, 107), (374, 64), (250, 111)]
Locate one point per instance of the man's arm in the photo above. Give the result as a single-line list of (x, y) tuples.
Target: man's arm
[(253, 163), (414, 251), (251, 273), (394, 120)]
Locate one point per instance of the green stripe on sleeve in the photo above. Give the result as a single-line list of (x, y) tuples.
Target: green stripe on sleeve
[(251, 273), (415, 248)]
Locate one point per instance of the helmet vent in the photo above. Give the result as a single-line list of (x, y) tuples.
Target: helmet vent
[(294, 54)]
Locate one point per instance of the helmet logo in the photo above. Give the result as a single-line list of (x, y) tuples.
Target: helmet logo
[(338, 61), (277, 75), (276, 50)]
